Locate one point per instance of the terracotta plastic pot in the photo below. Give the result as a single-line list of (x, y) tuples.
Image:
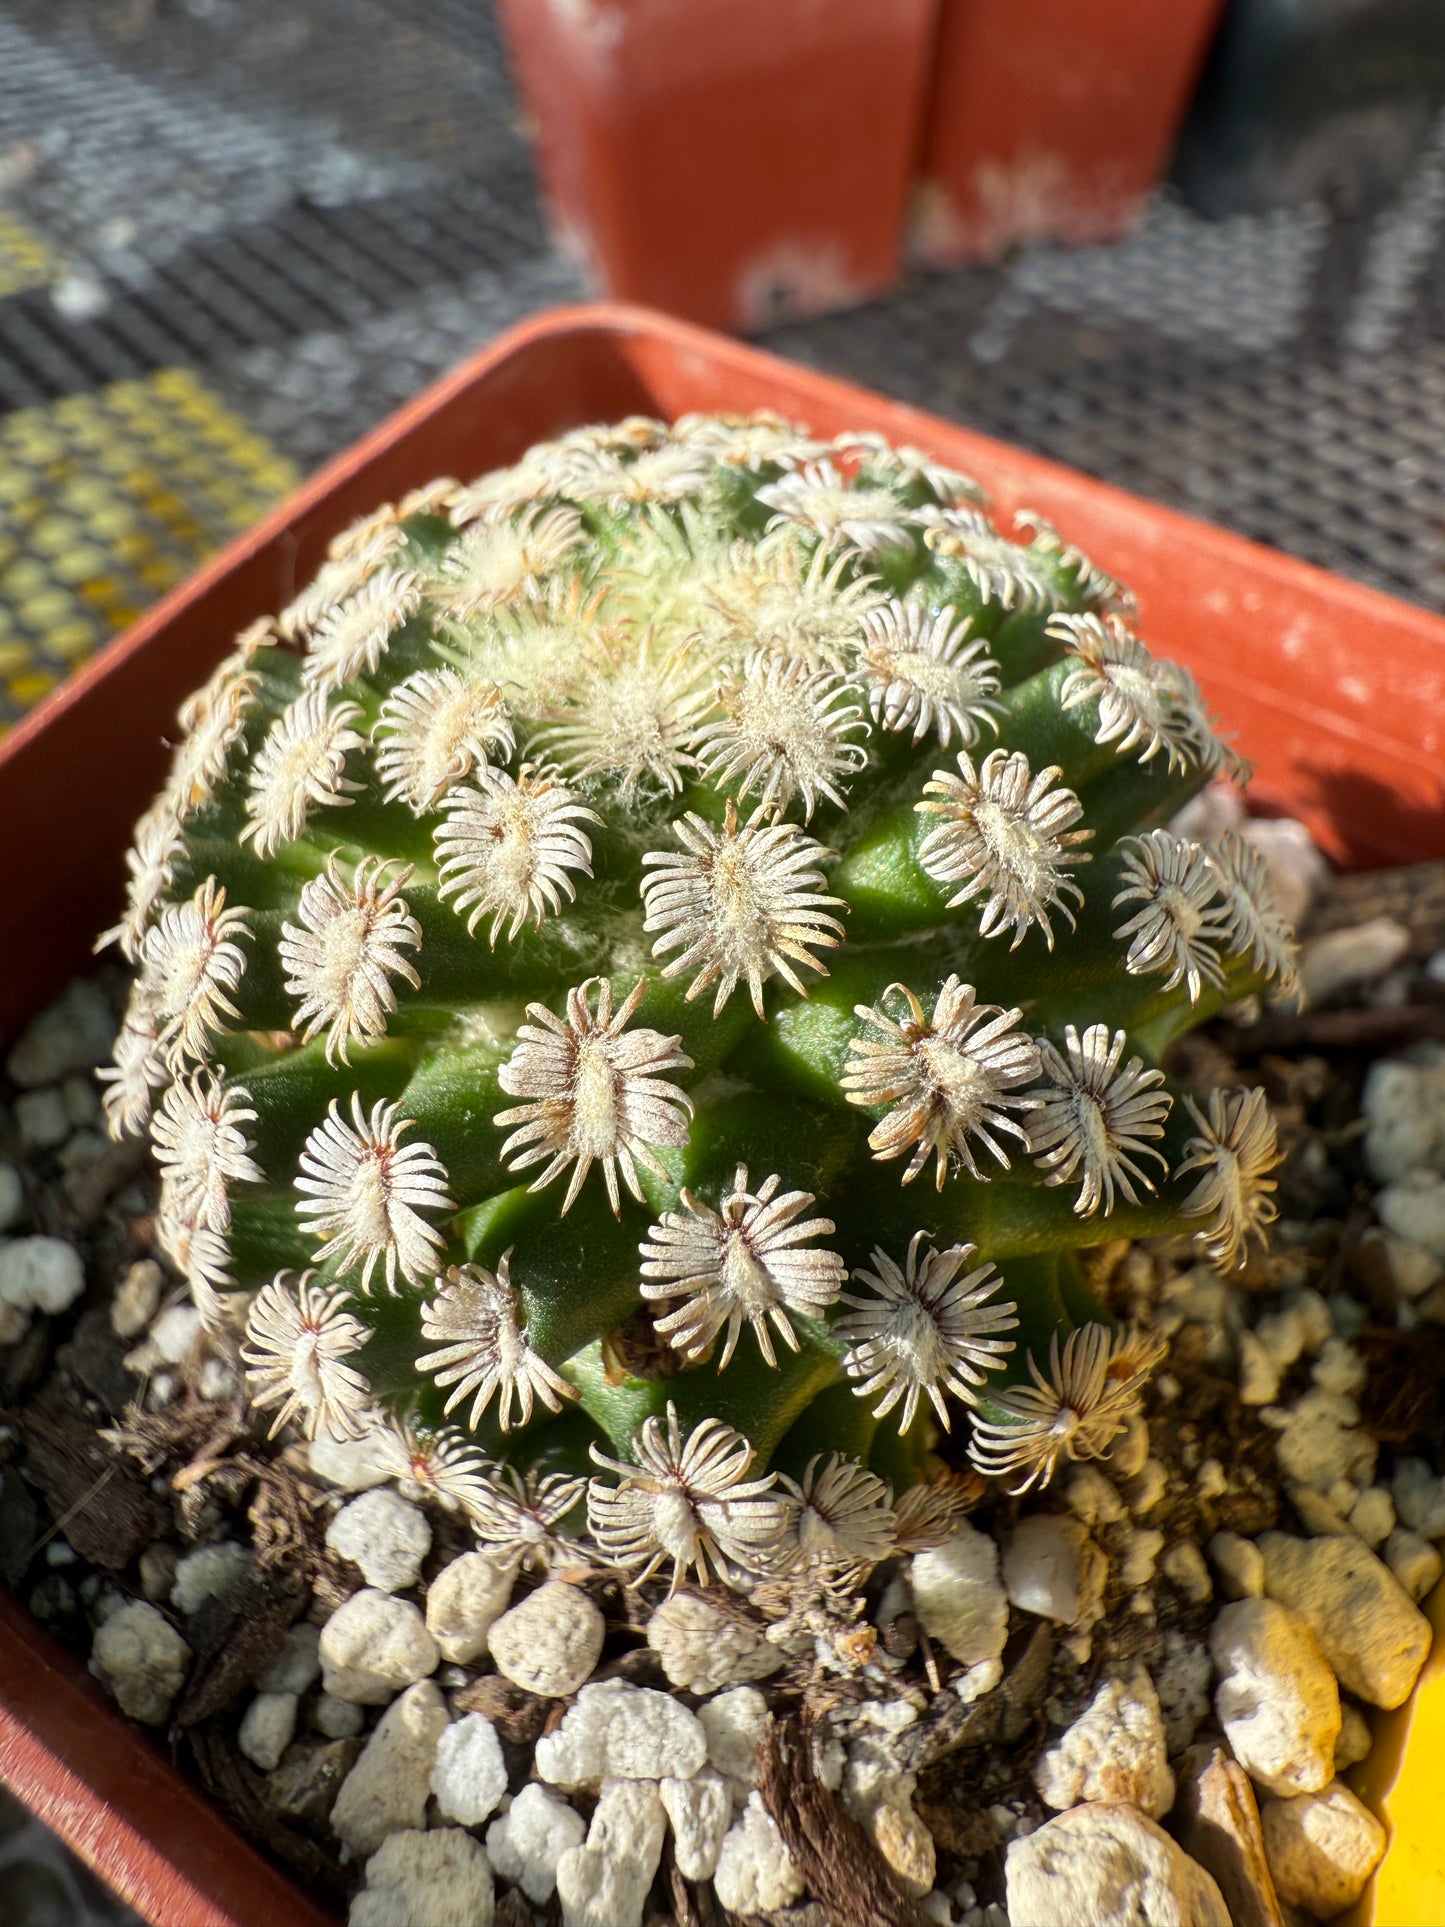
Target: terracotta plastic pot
[(1051, 119), (1336, 692), (734, 161)]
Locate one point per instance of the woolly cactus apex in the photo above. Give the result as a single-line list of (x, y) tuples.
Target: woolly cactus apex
[(650, 969)]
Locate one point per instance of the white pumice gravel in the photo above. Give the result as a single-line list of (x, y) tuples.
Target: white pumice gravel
[(1322, 1848), (1341, 959), (1277, 1699), (1109, 1866), (1414, 1208), (298, 1664), (1372, 1518), (75, 1033), (336, 1719), (1415, 1562), (550, 1643), (383, 1534), (1114, 1751), (1419, 1498), (386, 1791), (1093, 1498), (42, 1117), (40, 1274), (1369, 1629), (959, 1597), (136, 1299), (373, 1646), (620, 1731), (754, 1873), (1184, 1566), (702, 1648), (1403, 1104), (464, 1602), (210, 1572), (1356, 1737), (436, 1879), (267, 1727), (734, 1724), (1052, 1567), (351, 1465), (469, 1775), (700, 1811), (141, 1657), (527, 1841), (168, 1342), (605, 1882)]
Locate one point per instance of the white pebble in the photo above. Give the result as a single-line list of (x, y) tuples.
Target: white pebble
[(297, 1665), (210, 1572), (1115, 1750), (136, 1298), (550, 1643), (1356, 1736), (959, 1598), (1093, 1498), (75, 1033), (701, 1811), (336, 1719), (1414, 1208), (1128, 1454), (754, 1873), (1415, 1562), (470, 1775), (735, 1723), (352, 1465), (142, 1659), (1259, 1372), (169, 1341), (1340, 959), (1404, 1108), (1183, 1564), (1339, 1369), (702, 1648), (436, 1879), (1322, 1848), (463, 1603), (1369, 1629), (1319, 1444), (387, 1788), (1419, 1498), (383, 1535), (373, 1645), (266, 1729), (606, 1882), (12, 1196), (1211, 1480), (529, 1839), (1052, 1568), (1372, 1517), (1109, 1866), (42, 1118), (620, 1731), (1276, 1699), (40, 1274)]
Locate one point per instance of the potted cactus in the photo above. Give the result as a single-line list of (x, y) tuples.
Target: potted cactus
[(652, 965)]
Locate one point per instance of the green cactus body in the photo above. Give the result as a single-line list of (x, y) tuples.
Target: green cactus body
[(665, 949)]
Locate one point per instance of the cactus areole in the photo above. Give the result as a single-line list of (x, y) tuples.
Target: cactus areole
[(651, 969)]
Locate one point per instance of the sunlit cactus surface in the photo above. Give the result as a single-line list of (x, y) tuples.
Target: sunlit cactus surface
[(651, 969)]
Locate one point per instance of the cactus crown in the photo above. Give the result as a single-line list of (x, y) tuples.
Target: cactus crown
[(667, 949)]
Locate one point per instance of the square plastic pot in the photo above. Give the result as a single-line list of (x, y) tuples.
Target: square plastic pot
[(734, 161), (1050, 120), (1336, 692)]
